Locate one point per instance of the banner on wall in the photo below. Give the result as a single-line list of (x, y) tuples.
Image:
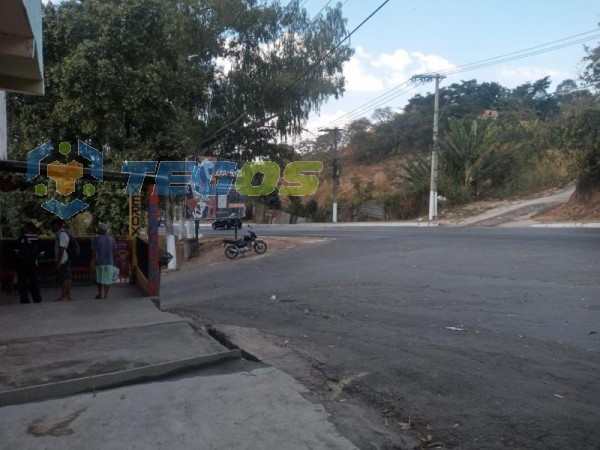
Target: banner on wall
[(219, 199)]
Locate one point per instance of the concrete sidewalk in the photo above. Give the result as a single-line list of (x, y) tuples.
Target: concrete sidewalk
[(257, 408), (119, 373)]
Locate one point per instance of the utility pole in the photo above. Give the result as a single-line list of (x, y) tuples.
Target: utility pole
[(435, 149), (336, 169)]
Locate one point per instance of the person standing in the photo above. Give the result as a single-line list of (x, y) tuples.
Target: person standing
[(27, 254), (63, 263), (103, 248)]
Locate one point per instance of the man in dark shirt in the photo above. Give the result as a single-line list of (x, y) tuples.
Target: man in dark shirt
[(27, 254)]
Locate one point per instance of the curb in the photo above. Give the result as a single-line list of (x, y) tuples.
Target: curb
[(567, 225), (111, 380), (27, 339), (349, 224)]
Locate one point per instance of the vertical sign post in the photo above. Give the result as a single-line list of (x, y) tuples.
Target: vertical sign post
[(153, 254), (135, 225)]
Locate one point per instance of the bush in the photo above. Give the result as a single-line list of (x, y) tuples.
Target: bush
[(455, 192), (405, 204), (537, 174)]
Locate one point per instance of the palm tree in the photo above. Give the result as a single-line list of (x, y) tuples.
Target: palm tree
[(464, 153)]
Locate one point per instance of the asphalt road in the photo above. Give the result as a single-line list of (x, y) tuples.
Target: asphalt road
[(476, 337)]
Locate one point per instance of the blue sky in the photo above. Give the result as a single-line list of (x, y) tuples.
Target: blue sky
[(409, 36)]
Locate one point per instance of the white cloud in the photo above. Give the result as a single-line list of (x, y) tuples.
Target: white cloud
[(320, 121), (362, 53), (523, 74), (357, 78), (397, 61), (431, 63), (397, 67)]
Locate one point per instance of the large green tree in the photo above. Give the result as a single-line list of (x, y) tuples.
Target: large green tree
[(591, 73), (581, 132), (163, 79)]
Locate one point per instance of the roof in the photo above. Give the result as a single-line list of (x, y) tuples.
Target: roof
[(21, 59)]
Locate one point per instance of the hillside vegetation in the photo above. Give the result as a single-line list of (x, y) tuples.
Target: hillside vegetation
[(495, 143)]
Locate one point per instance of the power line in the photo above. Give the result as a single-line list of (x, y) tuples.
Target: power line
[(376, 103), (344, 119), (378, 98), (579, 35), (481, 65), (213, 139), (321, 10), (519, 54), (339, 44), (347, 117), (289, 5)]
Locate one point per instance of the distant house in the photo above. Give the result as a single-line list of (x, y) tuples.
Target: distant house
[(489, 114)]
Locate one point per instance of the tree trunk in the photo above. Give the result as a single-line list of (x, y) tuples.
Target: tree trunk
[(586, 187)]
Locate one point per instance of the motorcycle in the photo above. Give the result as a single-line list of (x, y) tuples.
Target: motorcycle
[(247, 243)]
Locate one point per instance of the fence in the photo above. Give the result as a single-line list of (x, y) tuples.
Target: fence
[(81, 273)]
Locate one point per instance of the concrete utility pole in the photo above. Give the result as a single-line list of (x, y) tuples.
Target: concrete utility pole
[(434, 152), (336, 169)]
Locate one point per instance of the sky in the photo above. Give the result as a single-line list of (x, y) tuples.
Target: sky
[(409, 37)]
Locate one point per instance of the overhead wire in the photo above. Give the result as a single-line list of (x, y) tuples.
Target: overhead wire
[(516, 53), (519, 54), (474, 66), (342, 120), (261, 122), (554, 94), (378, 98), (347, 117), (320, 11)]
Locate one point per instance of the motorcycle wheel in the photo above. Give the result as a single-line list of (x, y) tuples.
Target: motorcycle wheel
[(231, 252), (260, 247)]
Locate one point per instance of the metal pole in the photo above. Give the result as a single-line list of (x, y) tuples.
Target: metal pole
[(335, 175), (153, 252), (435, 149), (434, 153), (336, 170)]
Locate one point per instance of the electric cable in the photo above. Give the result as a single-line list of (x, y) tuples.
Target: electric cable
[(519, 54), (260, 122)]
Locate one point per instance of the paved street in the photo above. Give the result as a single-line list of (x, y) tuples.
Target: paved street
[(466, 338)]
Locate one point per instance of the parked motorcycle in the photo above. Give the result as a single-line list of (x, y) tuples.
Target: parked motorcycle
[(247, 243)]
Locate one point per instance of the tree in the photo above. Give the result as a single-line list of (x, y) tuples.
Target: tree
[(358, 138), (565, 86), (149, 81), (581, 139), (532, 100), (591, 73), (581, 136), (312, 209), (464, 154)]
